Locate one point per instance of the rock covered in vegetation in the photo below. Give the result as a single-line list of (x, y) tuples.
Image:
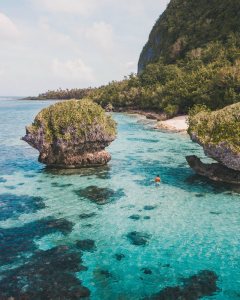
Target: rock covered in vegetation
[(189, 25), (218, 133), (72, 134)]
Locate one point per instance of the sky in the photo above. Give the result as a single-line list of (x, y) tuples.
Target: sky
[(50, 44)]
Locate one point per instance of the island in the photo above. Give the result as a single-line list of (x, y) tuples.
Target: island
[(72, 134)]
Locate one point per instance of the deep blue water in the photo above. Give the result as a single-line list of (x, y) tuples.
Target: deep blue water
[(140, 238)]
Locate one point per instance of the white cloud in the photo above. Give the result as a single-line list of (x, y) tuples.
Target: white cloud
[(83, 7), (8, 29), (101, 34), (75, 70)]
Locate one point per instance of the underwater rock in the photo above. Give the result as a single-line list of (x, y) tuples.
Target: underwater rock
[(138, 238), (86, 245), (12, 206), (135, 217), (146, 271), (47, 275), (214, 171), (87, 216), (62, 225), (17, 241), (195, 287), (149, 207), (146, 217), (100, 196), (72, 134), (119, 257)]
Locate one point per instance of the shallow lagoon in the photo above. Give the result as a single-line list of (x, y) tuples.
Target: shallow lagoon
[(187, 224)]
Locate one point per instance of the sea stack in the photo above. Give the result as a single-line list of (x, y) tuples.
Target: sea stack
[(72, 134), (218, 133)]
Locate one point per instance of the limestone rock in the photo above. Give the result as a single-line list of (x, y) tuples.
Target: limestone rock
[(214, 171), (72, 134)]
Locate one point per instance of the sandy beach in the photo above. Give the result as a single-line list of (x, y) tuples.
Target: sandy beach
[(177, 124)]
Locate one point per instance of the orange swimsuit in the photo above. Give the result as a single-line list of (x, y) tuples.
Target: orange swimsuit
[(157, 179)]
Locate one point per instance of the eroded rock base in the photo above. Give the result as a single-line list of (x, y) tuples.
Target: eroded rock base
[(214, 171), (75, 161)]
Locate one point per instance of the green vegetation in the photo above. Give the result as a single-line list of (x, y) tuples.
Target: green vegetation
[(192, 57), (221, 126), (187, 25), (64, 118)]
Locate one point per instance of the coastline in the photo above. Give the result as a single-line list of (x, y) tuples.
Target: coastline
[(176, 124)]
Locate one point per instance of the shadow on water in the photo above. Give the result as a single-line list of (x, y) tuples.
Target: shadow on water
[(102, 172), (181, 177)]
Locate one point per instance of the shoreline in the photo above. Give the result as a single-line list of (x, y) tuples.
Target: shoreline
[(176, 124)]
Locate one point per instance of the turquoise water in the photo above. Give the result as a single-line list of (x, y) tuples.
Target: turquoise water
[(187, 224)]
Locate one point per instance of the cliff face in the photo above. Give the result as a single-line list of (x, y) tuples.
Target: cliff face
[(189, 24), (72, 134)]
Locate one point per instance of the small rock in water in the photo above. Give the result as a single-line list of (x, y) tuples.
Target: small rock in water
[(105, 273), (215, 213), (199, 195), (149, 207), (86, 245), (119, 257), (166, 266), (2, 180), (147, 218), (146, 271), (87, 216), (135, 217), (138, 238)]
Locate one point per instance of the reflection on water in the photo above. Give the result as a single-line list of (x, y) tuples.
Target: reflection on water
[(142, 241)]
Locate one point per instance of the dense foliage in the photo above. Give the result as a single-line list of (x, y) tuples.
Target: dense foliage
[(221, 126), (63, 118), (203, 68), (189, 24)]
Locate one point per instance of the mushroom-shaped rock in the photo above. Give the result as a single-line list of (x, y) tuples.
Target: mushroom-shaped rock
[(218, 133), (72, 134)]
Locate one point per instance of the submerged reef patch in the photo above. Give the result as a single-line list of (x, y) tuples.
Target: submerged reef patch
[(138, 238), (47, 275), (12, 206), (193, 288), (99, 195), (17, 241)]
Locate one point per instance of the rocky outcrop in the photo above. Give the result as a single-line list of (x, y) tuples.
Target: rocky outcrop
[(214, 171), (183, 26), (72, 134), (218, 133), (221, 152)]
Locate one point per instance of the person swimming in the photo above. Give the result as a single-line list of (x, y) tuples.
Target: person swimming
[(157, 179)]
